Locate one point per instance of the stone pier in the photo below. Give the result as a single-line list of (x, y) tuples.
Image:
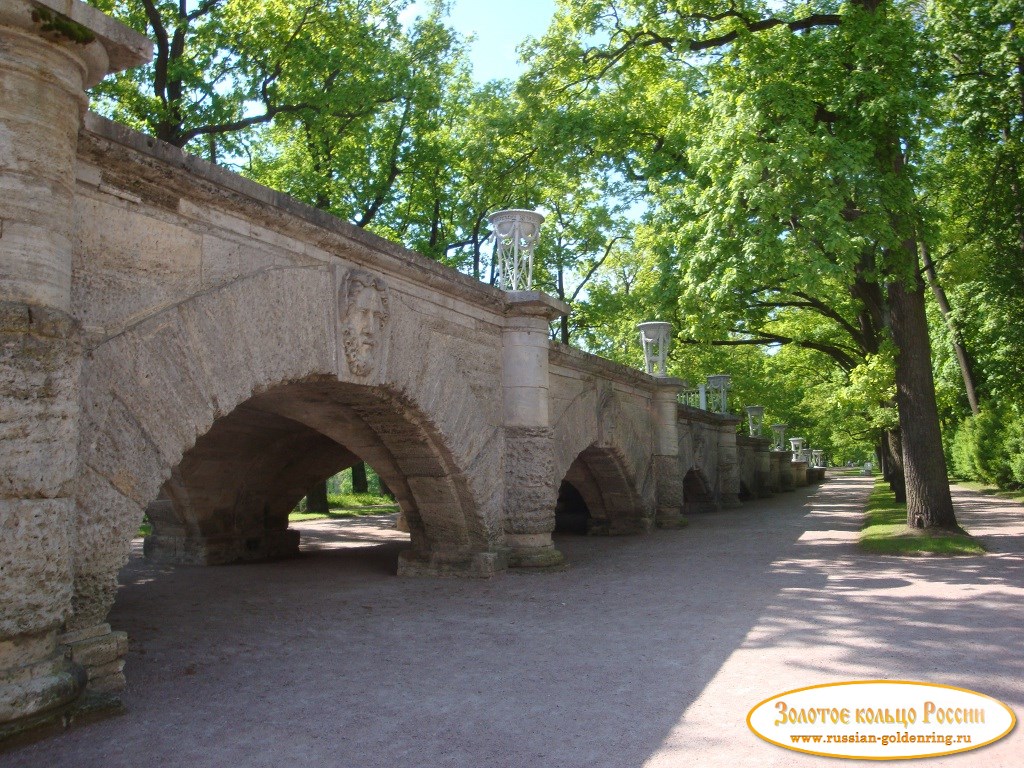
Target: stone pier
[(47, 61)]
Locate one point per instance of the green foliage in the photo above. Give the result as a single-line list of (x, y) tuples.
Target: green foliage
[(886, 532), (974, 181), (343, 505), (773, 166), (989, 448), (339, 489)]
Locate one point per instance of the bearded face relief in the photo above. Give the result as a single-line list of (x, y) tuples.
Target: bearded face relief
[(363, 300)]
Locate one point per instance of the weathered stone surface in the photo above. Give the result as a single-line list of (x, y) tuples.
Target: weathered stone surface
[(38, 417), (670, 492), (31, 689), (530, 484), (35, 569), (473, 565), (799, 473), (754, 466), (787, 481), (97, 653)]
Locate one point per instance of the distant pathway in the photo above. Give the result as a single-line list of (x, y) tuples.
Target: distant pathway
[(648, 651)]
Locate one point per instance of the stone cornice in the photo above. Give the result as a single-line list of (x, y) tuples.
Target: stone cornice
[(534, 304), (570, 357), (103, 44), (689, 413)]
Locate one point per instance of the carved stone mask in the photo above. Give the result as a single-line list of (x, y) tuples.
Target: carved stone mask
[(363, 300)]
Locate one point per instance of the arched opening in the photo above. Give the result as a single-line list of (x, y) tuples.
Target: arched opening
[(572, 515), (229, 498), (697, 496), (597, 496)]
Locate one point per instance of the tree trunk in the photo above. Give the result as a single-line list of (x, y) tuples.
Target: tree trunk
[(384, 489), (962, 358), (929, 504), (892, 449), (359, 483), (563, 321), (316, 499)]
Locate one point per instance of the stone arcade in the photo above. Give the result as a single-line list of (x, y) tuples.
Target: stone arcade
[(179, 339)]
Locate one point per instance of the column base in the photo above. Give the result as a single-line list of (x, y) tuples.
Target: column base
[(474, 565), (88, 708), (39, 677), (800, 474), (101, 653), (534, 551), (729, 501), (670, 517)]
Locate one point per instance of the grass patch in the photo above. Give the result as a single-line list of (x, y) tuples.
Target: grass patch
[(992, 490), (347, 505), (886, 531)]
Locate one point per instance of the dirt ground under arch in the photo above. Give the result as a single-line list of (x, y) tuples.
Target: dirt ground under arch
[(649, 651)]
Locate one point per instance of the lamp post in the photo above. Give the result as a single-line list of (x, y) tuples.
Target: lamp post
[(720, 383), (515, 232), (755, 418), (655, 337)]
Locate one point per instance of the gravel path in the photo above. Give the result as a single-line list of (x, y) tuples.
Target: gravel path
[(648, 651)]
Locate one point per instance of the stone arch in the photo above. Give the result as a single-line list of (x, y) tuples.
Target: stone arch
[(229, 497), (600, 475), (260, 350), (697, 494)]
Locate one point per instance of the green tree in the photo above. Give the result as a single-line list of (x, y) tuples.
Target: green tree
[(222, 68), (379, 159), (976, 183), (780, 162)]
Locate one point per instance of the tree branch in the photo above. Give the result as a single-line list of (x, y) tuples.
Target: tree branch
[(763, 338)]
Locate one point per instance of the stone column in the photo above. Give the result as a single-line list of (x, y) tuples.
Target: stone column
[(728, 463), (799, 470), (47, 60), (786, 478), (763, 459), (774, 477), (531, 488), (668, 473)]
